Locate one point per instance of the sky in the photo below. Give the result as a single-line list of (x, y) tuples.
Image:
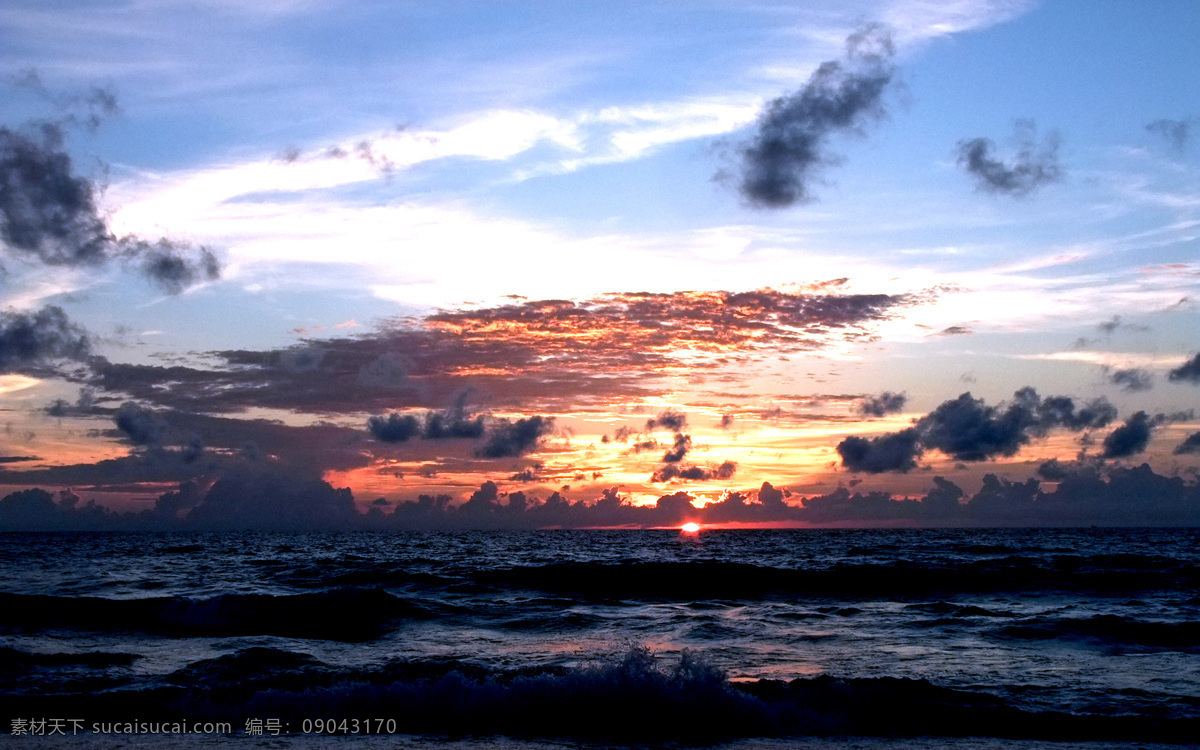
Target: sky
[(588, 253)]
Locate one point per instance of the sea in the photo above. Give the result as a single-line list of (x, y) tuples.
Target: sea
[(746, 639)]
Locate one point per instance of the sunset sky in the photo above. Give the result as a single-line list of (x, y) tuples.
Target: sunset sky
[(413, 247)]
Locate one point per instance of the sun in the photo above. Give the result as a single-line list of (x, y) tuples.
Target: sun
[(690, 528)]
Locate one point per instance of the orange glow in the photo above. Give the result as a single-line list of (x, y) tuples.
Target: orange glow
[(690, 528)]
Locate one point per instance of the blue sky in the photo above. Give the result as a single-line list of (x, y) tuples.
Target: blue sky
[(359, 166)]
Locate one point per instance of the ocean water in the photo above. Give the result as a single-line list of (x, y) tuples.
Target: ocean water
[(739, 639)]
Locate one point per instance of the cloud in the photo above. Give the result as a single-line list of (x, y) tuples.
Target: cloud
[(142, 426), (189, 446), (513, 438), (164, 263), (672, 471), (969, 429), (1132, 379), (883, 404), (88, 109), (954, 331), (1177, 133), (272, 500), (683, 444), (897, 451), (1053, 470), (542, 355), (449, 425), (388, 370), (1131, 437), (1190, 444), (30, 342), (393, 428), (49, 215), (453, 423), (45, 211), (668, 419), (1085, 495), (1187, 372), (790, 146), (1109, 327), (1034, 164)]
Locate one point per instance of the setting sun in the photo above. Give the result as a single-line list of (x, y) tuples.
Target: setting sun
[(690, 528)]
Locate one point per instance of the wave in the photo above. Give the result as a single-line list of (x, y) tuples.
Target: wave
[(632, 698), (180, 549), (1099, 574), (346, 614), (14, 660), (1110, 631)]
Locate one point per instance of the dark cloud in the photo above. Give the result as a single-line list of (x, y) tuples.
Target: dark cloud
[(668, 419), (1187, 372), (140, 425), (449, 425), (726, 421), (32, 342), (172, 504), (191, 446), (1085, 495), (643, 446), (164, 263), (1053, 470), (46, 212), (791, 145), (1177, 133), (1061, 411), (969, 429), (1132, 379), (393, 428), (454, 423), (897, 451), (513, 438), (1034, 164), (672, 471), (683, 444), (272, 500), (49, 215), (883, 404), (1131, 437), (1190, 444)]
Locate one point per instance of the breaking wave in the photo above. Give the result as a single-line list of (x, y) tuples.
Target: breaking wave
[(633, 697), (344, 614)]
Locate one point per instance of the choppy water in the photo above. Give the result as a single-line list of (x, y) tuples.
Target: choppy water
[(613, 635)]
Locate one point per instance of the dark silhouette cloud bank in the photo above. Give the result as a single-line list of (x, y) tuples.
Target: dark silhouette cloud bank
[(256, 499)]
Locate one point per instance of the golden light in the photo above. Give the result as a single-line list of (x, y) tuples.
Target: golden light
[(690, 528)]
